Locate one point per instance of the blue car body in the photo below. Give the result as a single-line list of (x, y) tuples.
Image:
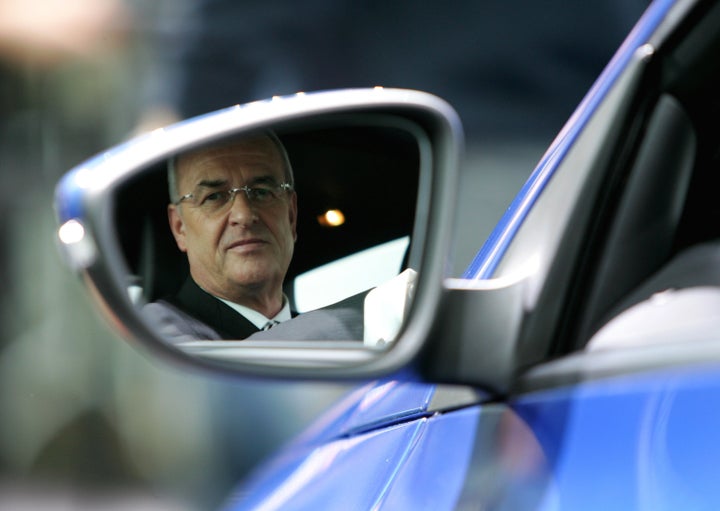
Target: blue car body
[(639, 441)]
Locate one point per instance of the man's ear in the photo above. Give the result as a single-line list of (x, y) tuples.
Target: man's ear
[(293, 214), (177, 227)]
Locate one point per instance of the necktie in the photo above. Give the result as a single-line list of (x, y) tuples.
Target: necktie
[(270, 324)]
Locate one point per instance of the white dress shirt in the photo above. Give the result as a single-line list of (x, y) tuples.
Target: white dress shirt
[(258, 319)]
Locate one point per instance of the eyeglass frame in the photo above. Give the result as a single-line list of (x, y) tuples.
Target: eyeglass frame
[(285, 187)]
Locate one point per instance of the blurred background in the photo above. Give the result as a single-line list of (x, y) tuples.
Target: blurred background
[(86, 420)]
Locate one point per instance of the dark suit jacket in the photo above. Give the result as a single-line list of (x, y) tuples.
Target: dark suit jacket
[(192, 314)]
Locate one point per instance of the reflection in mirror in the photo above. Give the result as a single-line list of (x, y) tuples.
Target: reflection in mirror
[(289, 225)]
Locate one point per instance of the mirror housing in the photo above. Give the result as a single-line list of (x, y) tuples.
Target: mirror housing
[(85, 207), (475, 339)]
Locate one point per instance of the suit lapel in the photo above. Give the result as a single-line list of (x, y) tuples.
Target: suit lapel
[(211, 311)]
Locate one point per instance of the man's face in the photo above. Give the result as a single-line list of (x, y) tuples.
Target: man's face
[(243, 251)]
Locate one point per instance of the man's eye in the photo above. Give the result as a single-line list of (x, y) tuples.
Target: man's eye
[(261, 193), (213, 197)]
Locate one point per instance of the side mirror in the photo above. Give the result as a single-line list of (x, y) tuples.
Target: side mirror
[(370, 197)]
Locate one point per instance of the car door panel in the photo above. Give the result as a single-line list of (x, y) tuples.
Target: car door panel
[(644, 441)]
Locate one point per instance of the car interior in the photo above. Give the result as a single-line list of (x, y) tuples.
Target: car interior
[(371, 174), (661, 201)]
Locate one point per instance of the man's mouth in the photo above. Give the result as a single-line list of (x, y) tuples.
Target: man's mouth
[(245, 245)]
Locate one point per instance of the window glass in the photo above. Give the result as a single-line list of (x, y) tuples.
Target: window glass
[(349, 275)]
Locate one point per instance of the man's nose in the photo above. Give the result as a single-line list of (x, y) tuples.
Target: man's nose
[(241, 209)]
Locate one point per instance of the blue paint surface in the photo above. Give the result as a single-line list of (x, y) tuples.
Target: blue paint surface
[(637, 442), (414, 465)]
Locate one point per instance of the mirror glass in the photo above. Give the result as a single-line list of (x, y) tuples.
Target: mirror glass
[(310, 225)]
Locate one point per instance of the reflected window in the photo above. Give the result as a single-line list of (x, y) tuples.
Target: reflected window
[(349, 275)]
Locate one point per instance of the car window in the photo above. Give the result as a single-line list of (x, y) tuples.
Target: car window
[(658, 257), (352, 274)]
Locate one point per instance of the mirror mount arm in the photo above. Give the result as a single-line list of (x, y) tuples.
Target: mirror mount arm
[(475, 338)]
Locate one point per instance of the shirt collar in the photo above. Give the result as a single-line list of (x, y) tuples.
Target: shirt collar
[(258, 319)]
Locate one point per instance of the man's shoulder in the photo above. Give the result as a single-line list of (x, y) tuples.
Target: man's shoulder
[(339, 322), (194, 314), (175, 325)]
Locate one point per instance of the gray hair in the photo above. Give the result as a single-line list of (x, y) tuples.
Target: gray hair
[(172, 164)]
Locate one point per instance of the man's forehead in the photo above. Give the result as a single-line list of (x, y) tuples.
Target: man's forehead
[(246, 156)]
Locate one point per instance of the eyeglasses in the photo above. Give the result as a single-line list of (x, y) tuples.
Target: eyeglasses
[(214, 201)]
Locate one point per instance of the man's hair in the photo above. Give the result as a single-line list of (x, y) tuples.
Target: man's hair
[(172, 164)]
